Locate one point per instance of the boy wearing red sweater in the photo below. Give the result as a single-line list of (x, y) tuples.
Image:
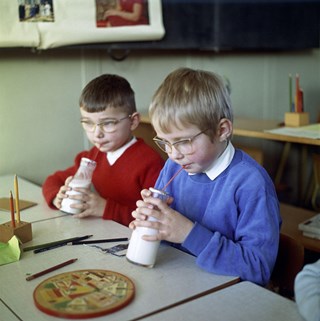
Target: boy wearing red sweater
[(125, 164)]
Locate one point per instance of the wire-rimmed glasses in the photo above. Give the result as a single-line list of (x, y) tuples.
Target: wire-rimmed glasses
[(107, 126), (183, 146)]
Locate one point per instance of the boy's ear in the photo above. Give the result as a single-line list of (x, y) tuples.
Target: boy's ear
[(225, 129), (135, 120)]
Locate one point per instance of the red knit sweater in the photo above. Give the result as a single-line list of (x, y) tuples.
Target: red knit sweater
[(120, 184)]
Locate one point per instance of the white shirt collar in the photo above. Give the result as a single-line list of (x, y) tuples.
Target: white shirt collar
[(113, 156), (221, 163)]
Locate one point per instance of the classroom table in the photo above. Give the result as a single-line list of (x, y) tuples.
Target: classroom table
[(29, 192), (244, 301), (174, 279), (259, 128), (6, 314), (255, 128), (292, 216)]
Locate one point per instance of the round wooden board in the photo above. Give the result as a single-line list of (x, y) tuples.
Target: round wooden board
[(83, 294)]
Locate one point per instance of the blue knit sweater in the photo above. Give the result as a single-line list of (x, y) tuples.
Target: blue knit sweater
[(236, 216)]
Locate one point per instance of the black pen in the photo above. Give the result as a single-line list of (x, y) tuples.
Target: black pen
[(120, 239), (47, 248), (34, 247), (53, 245)]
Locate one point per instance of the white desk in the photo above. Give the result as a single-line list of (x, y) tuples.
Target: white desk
[(65, 227), (174, 279), (28, 192), (244, 301), (6, 314)]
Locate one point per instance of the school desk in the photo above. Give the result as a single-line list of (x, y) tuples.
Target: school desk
[(29, 192), (174, 279), (256, 128), (292, 216), (244, 301), (6, 314)]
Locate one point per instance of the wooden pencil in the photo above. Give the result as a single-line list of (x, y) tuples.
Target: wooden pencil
[(53, 268)]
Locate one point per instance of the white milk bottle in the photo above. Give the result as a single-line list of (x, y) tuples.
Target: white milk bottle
[(143, 252), (81, 179)]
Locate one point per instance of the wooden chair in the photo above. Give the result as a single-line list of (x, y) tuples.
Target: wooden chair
[(255, 153), (146, 131), (289, 262), (316, 182)]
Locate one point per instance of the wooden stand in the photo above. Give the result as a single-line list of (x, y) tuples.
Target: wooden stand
[(296, 119), (22, 231)]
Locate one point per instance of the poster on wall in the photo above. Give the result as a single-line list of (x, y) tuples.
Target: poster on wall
[(45, 24)]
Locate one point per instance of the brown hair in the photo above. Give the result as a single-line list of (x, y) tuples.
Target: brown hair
[(108, 91)]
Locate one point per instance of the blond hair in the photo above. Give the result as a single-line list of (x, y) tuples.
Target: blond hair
[(188, 96)]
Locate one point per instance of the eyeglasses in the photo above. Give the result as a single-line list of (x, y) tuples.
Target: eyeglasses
[(183, 146), (107, 126)]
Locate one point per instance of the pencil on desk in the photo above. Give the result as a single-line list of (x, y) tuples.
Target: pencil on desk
[(290, 93), (56, 267), (50, 244), (297, 92), (13, 221), (120, 239), (300, 101), (47, 248), (16, 192), (63, 243)]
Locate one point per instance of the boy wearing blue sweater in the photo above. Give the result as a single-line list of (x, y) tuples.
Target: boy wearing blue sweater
[(224, 209)]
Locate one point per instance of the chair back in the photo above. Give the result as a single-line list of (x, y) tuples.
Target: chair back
[(255, 153), (315, 200), (289, 262)]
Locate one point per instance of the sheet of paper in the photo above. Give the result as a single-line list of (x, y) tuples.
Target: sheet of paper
[(14, 33), (310, 131), (5, 204), (71, 22)]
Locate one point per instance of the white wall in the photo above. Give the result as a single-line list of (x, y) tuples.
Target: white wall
[(39, 113)]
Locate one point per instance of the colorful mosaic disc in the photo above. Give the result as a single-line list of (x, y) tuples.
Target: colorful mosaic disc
[(84, 294)]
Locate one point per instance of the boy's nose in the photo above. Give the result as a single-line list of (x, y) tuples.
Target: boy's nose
[(175, 154), (98, 132)]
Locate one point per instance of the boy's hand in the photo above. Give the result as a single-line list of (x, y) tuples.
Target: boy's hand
[(91, 204), (172, 225), (62, 193)]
